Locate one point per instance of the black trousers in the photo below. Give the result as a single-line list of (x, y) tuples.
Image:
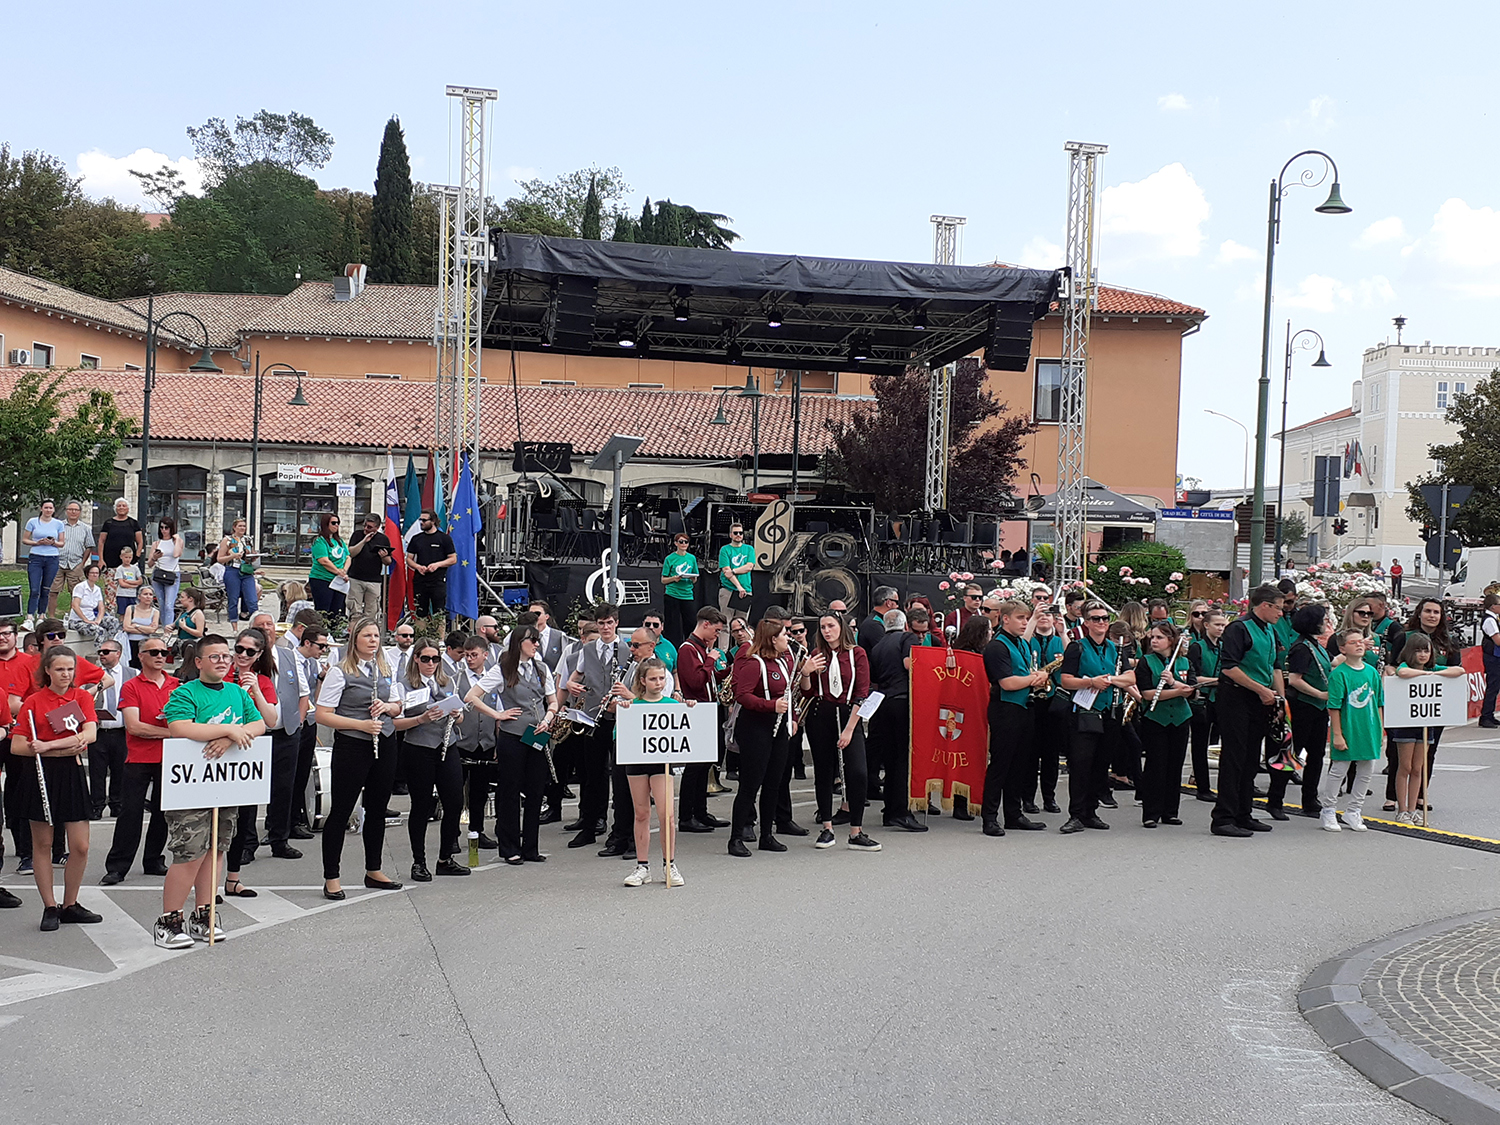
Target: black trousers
[(1049, 743), (595, 750), (622, 824), (285, 749), (357, 767), (824, 726), (520, 780), (479, 779), (430, 595), (1205, 717), (245, 841), (1243, 721), (107, 769), (1491, 686), (1309, 733), (890, 730), (307, 744), (141, 779), (1088, 766), (784, 783), (1010, 750), (1161, 781), (692, 800), (426, 767), (679, 618), (1126, 758), (762, 758)]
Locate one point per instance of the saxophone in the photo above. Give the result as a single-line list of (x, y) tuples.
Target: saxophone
[(1045, 692)]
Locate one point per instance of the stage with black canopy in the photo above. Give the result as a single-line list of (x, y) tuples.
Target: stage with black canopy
[(584, 297)]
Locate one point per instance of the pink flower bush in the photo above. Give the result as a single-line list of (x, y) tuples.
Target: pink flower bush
[(1104, 570), (1170, 587), (1125, 571), (941, 586), (966, 576), (996, 565), (1176, 576)]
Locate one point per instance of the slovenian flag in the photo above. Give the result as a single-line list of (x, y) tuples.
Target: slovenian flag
[(396, 590)]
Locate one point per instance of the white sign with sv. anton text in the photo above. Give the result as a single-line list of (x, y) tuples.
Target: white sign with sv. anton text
[(191, 781)]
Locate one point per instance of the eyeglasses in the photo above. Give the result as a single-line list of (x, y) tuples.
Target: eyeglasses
[(651, 624), (641, 644), (406, 636), (975, 597), (318, 644), (737, 534), (55, 636), (680, 542), (1097, 618), (530, 641), (109, 652), (1357, 613), (215, 656), (246, 650), (427, 660), (797, 632)]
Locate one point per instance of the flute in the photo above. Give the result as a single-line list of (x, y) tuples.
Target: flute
[(1166, 672), (787, 695), (41, 775)]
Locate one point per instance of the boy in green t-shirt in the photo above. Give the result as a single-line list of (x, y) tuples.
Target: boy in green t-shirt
[(1356, 711), (220, 715), (736, 561)]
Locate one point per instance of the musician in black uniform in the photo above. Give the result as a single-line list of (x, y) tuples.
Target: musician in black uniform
[(1249, 686), (1008, 665), (597, 679)]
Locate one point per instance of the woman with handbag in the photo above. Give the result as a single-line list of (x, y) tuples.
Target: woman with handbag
[(164, 558), (140, 621), (240, 561), (328, 577)]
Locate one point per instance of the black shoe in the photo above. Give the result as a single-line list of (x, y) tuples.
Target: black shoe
[(1207, 798), (334, 896), (400, 789), (841, 817), (906, 822), (769, 843), (732, 775), (488, 843), (450, 867), (747, 833), (247, 855), (1257, 791), (78, 914), (1108, 803), (800, 773), (1093, 822), (712, 821), (533, 857), (574, 825), (420, 874), (615, 848), (1071, 825), (382, 884), (111, 878), (302, 832), (693, 824), (1489, 724), (992, 828), (1313, 811), (1233, 830), (1171, 820), (513, 861), (50, 919), (1029, 807), (1278, 814), (1148, 824), (285, 851), (551, 816), (791, 828), (1049, 805), (157, 869), (1026, 824), (568, 794), (582, 840), (1256, 825), (737, 848), (962, 814), (8, 901)]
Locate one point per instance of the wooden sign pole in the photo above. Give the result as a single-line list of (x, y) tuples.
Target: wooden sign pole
[(213, 875)]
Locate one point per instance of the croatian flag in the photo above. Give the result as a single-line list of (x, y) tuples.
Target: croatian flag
[(396, 596)]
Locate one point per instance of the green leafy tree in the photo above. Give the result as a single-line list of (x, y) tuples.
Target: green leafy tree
[(348, 248), (645, 229), (1154, 562), (564, 198), (56, 442), (164, 187), (1294, 529), (703, 230), (101, 248), (624, 230), (35, 190), (520, 216), (290, 140), (668, 228), (426, 230), (1474, 459), (589, 226), (392, 256), (876, 452)]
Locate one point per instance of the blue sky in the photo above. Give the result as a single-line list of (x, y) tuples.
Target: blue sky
[(837, 128)]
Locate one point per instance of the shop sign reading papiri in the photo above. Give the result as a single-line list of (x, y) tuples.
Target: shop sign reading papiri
[(307, 473)]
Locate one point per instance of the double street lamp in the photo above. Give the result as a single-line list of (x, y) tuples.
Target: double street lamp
[(1333, 205), (297, 399), (204, 365), (1303, 338)]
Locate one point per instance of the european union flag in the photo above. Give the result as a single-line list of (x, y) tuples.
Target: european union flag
[(463, 577)]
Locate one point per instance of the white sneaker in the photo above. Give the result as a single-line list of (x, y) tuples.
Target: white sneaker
[(674, 877), (1405, 818), (1355, 822), (1330, 820), (640, 876), (169, 932), (198, 926), (28, 625)]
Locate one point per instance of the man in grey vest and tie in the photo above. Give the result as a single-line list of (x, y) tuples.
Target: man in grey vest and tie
[(599, 676), (107, 755), (293, 705)]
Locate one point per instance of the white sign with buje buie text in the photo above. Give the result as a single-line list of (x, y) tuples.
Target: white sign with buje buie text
[(1426, 701)]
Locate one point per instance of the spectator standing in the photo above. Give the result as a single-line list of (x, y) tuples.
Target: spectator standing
[(42, 537), (118, 532), (240, 561), (369, 554), (429, 554), (128, 579), (328, 576), (75, 547), (1396, 573), (165, 563), (736, 561)]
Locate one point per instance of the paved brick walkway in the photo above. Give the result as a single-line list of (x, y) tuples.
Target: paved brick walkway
[(1442, 993)]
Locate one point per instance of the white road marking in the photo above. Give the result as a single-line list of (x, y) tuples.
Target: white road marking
[(1455, 767), (267, 907)]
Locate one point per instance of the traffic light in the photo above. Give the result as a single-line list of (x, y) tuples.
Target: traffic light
[(1340, 526), (1427, 532)]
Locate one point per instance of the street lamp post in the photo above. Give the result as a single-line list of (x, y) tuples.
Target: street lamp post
[(1245, 468), (753, 392), (1333, 205), (204, 365), (296, 400), (1293, 340)]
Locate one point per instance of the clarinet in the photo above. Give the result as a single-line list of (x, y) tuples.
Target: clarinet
[(787, 695), (41, 776), (546, 746), (1166, 672)]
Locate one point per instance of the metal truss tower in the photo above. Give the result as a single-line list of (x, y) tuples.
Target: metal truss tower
[(940, 382), (1070, 524), (463, 261)]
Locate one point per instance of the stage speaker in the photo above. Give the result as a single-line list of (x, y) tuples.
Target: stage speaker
[(10, 601), (575, 305), (1009, 345)]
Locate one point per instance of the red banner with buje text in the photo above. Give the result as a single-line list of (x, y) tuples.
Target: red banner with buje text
[(950, 730)]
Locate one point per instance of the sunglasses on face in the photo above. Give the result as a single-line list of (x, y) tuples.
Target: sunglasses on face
[(318, 644), (427, 660), (1357, 613), (406, 636), (155, 652), (246, 650), (736, 534), (1197, 613), (1098, 620), (55, 636)]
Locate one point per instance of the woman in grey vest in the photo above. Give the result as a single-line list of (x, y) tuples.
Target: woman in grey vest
[(430, 758), (358, 700), (530, 696)]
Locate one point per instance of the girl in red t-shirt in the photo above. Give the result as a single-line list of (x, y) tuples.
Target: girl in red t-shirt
[(56, 725), (255, 671)]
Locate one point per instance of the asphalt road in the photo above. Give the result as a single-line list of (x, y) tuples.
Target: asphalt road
[(1128, 976)]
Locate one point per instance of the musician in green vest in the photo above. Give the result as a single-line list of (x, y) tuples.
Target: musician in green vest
[(1091, 666), (1250, 686), (1203, 659), (1308, 667), (1165, 680), (1008, 664)]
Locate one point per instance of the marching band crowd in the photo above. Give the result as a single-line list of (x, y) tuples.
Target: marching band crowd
[(1121, 700)]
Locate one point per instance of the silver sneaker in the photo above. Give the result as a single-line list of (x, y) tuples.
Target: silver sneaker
[(198, 926), (169, 932), (640, 876)]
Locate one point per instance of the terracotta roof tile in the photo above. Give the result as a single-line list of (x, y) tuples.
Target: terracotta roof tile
[(224, 314), (398, 312), (376, 413), (1347, 412), (1114, 301), (36, 292)]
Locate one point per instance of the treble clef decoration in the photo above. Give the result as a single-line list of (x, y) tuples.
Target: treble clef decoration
[(772, 531), (600, 578)]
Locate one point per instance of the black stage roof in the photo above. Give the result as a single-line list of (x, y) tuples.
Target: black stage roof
[(578, 296)]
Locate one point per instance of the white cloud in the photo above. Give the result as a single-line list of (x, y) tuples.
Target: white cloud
[(1318, 293), (1461, 251), (1390, 229), (1319, 115), (105, 175), (1168, 103), (1161, 216), (1231, 251), (1041, 254)]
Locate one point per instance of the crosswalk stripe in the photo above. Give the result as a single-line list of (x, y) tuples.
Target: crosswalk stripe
[(119, 937), (267, 908)]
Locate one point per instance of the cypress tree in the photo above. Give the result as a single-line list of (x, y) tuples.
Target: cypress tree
[(668, 224), (624, 230), (393, 258), (589, 227), (646, 228)]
